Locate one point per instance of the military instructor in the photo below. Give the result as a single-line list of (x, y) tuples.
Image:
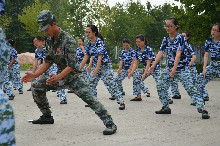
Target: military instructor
[(61, 49)]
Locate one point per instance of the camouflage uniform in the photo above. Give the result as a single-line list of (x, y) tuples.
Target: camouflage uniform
[(62, 51), (80, 55), (105, 72), (126, 56), (40, 55), (13, 74), (182, 73), (213, 69), (7, 122), (142, 56)]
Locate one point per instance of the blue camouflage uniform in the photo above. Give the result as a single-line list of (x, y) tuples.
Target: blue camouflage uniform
[(182, 74), (40, 55), (213, 69), (7, 121), (189, 52), (105, 72), (126, 56), (80, 55), (13, 74), (142, 57)]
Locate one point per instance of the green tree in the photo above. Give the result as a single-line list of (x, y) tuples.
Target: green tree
[(29, 15), (197, 17)]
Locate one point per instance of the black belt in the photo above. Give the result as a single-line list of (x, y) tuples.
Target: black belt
[(214, 59)]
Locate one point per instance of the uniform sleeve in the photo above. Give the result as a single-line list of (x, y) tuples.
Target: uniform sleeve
[(36, 55), (121, 55), (13, 53), (150, 53), (182, 43), (163, 45), (191, 51), (70, 50), (206, 46), (101, 47), (133, 54), (87, 49)]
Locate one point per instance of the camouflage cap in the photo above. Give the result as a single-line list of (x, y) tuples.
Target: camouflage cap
[(44, 19)]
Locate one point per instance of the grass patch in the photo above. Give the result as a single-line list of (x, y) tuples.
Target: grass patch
[(26, 66)]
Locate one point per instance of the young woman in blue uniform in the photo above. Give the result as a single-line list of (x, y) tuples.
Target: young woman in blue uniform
[(174, 44), (101, 63), (212, 45)]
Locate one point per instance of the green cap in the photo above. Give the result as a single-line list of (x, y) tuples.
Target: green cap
[(44, 19)]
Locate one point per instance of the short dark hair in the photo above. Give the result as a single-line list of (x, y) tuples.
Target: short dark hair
[(12, 42), (81, 38), (142, 38), (126, 40), (40, 38), (217, 24), (175, 22)]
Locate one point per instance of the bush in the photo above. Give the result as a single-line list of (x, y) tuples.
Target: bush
[(26, 66), (115, 66)]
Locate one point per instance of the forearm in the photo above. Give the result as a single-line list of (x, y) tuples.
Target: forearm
[(99, 62), (65, 72), (177, 59), (35, 66), (193, 59), (43, 69), (206, 57), (135, 63), (90, 61), (120, 64), (86, 57), (147, 66), (11, 63), (157, 59)]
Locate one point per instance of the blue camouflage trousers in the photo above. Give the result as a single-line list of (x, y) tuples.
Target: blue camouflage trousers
[(14, 71), (7, 87), (194, 74), (120, 77), (84, 75), (139, 85), (212, 70), (7, 122), (106, 74), (78, 86), (184, 76)]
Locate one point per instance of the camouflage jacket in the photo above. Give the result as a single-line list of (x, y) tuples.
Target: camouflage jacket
[(62, 51), (4, 54)]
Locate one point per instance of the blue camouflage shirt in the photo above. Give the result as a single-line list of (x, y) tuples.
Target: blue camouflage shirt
[(96, 49), (213, 48), (189, 52), (14, 55), (143, 56), (40, 55), (2, 7), (171, 47), (127, 57), (79, 54)]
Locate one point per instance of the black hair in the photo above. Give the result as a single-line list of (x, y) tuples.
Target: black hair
[(96, 31), (38, 38), (175, 22), (187, 34), (12, 42), (126, 40), (142, 38), (217, 24), (81, 38), (53, 20)]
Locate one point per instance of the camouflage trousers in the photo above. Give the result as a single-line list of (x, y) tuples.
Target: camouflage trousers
[(139, 85), (194, 74), (212, 70), (7, 87), (106, 74), (84, 75), (14, 71), (184, 76), (53, 69), (80, 88), (119, 78), (7, 122)]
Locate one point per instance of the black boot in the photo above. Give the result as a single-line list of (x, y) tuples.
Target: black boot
[(11, 97), (44, 120), (111, 128), (122, 106), (205, 114), (164, 111), (176, 97)]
